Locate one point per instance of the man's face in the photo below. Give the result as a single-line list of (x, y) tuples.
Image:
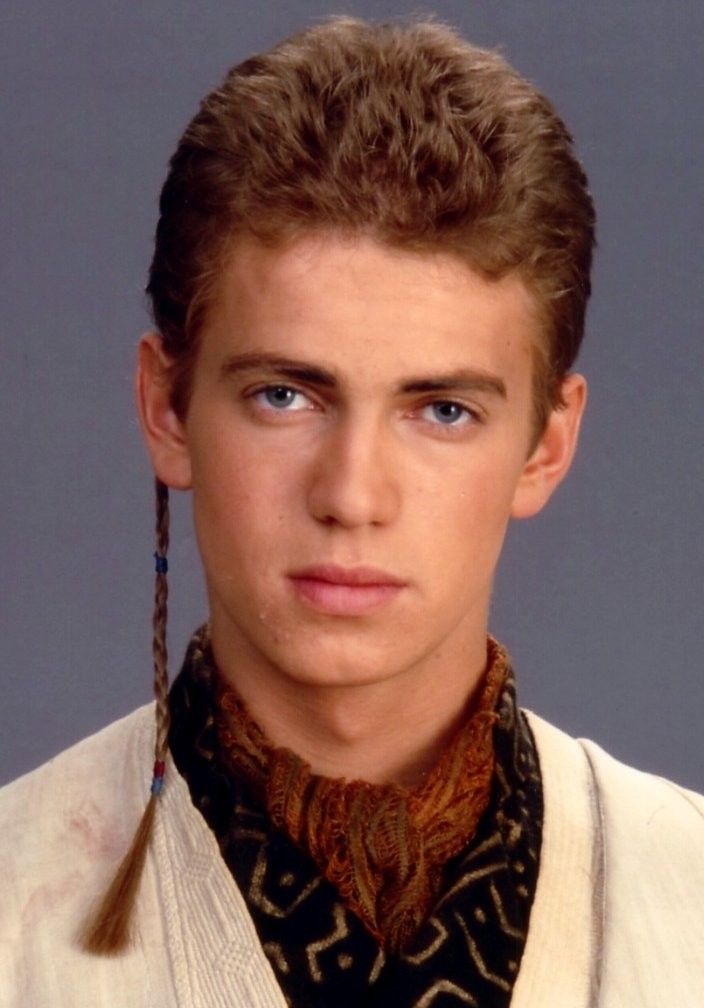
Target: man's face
[(356, 406)]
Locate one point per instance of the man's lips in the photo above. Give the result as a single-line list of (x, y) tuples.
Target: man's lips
[(333, 574), (340, 591)]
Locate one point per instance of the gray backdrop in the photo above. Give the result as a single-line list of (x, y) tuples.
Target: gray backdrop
[(599, 599)]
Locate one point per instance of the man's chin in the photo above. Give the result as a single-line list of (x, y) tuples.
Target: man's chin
[(323, 669)]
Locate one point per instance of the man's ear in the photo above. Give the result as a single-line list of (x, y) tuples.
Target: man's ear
[(163, 431), (551, 458)]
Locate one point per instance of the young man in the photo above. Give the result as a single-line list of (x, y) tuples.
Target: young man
[(369, 285)]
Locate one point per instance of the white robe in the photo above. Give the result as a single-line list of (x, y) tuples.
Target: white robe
[(617, 921)]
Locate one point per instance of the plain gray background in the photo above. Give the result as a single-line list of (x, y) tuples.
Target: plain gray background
[(599, 599)]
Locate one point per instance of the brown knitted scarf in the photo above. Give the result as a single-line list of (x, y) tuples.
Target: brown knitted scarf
[(382, 846)]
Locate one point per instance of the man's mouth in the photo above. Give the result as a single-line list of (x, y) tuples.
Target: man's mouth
[(345, 591)]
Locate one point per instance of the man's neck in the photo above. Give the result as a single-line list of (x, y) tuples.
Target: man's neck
[(391, 731)]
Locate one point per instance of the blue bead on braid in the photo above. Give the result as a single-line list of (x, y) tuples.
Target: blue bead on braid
[(161, 564)]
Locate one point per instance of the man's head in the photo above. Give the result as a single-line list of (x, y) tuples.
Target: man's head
[(360, 215), (377, 206), (404, 133)]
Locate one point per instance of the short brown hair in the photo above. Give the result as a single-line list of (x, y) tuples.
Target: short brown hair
[(403, 132)]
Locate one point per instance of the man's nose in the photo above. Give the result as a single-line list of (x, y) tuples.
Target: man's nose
[(353, 479)]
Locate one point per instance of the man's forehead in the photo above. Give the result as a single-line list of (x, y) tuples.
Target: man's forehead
[(325, 295), (300, 259)]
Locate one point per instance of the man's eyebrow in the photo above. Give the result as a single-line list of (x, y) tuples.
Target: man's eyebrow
[(459, 380), (462, 380), (284, 366)]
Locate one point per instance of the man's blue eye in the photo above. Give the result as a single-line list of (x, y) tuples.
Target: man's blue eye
[(448, 413), (281, 399), (280, 395)]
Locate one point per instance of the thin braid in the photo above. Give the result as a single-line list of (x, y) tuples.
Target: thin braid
[(108, 931), (161, 593)]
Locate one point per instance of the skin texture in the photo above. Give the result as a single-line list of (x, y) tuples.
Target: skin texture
[(359, 471)]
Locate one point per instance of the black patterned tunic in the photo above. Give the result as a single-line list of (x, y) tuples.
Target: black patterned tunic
[(469, 949)]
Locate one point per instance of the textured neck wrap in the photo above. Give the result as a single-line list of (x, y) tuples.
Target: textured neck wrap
[(382, 846)]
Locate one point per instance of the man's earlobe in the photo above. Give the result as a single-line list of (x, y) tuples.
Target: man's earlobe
[(162, 429), (551, 458)]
